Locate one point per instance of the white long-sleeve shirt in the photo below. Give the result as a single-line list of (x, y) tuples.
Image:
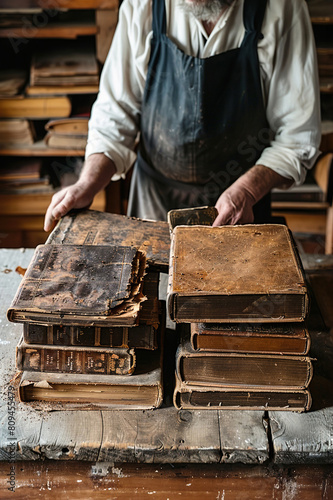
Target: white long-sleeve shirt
[(288, 67)]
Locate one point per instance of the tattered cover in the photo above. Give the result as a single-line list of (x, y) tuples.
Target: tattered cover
[(89, 227), (235, 274), (80, 284)]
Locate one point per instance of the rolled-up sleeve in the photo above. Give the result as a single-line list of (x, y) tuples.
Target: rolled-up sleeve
[(293, 109)]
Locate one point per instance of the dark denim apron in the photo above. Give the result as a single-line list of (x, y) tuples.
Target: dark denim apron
[(203, 122)]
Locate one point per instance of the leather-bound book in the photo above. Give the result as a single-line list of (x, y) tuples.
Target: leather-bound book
[(249, 273), (246, 370), (81, 285), (266, 338)]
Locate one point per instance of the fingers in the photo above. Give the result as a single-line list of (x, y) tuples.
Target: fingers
[(62, 202)]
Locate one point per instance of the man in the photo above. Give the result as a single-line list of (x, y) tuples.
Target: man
[(224, 94)]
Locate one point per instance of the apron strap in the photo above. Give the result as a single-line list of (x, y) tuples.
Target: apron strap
[(253, 16), (159, 18)]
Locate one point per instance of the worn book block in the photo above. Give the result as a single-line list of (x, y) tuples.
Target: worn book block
[(274, 338), (235, 369), (81, 285), (66, 391), (196, 397), (89, 227), (235, 274), (33, 357)]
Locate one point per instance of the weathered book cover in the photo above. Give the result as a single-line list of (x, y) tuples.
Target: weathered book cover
[(81, 285), (69, 391), (89, 227), (64, 359), (266, 338), (235, 274), (137, 337), (192, 216), (196, 397), (235, 369)]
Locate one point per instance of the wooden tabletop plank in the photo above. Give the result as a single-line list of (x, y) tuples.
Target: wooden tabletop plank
[(166, 435), (243, 437)]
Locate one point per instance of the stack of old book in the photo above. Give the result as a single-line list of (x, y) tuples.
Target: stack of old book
[(91, 334), (242, 290), (67, 133)]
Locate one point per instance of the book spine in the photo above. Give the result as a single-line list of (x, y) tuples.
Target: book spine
[(141, 336), (45, 359)]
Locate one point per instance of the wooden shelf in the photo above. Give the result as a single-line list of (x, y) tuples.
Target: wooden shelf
[(61, 90), (68, 31), (39, 148), (321, 11), (60, 4), (326, 85), (300, 205)]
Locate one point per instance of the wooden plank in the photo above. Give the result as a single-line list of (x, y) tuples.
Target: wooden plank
[(67, 31), (39, 148), (60, 4), (12, 262), (302, 438), (304, 222), (243, 437), (71, 435), (81, 480), (106, 21), (165, 435), (329, 232)]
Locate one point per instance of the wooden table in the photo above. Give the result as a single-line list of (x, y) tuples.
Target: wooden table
[(263, 451)]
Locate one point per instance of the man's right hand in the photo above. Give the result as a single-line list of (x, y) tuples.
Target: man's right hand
[(95, 176)]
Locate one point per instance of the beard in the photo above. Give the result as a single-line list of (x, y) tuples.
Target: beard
[(205, 10)]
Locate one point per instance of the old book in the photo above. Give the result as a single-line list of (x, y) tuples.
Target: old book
[(88, 227), (39, 90), (12, 81), (81, 285), (274, 338), (35, 107), (138, 337), (233, 369), (76, 125), (19, 170), (16, 131), (192, 216), (65, 141), (196, 397), (70, 63), (78, 359), (235, 274), (142, 390)]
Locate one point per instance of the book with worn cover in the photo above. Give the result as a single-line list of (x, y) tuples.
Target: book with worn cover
[(191, 216), (78, 359), (235, 369), (274, 338), (235, 274), (89, 227), (66, 391), (196, 397), (81, 285), (137, 337)]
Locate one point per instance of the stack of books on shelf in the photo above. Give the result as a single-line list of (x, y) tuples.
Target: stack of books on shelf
[(92, 329), (67, 133), (243, 292), (20, 176)]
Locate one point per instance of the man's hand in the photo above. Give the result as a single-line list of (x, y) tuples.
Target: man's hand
[(76, 196), (235, 205), (96, 174)]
